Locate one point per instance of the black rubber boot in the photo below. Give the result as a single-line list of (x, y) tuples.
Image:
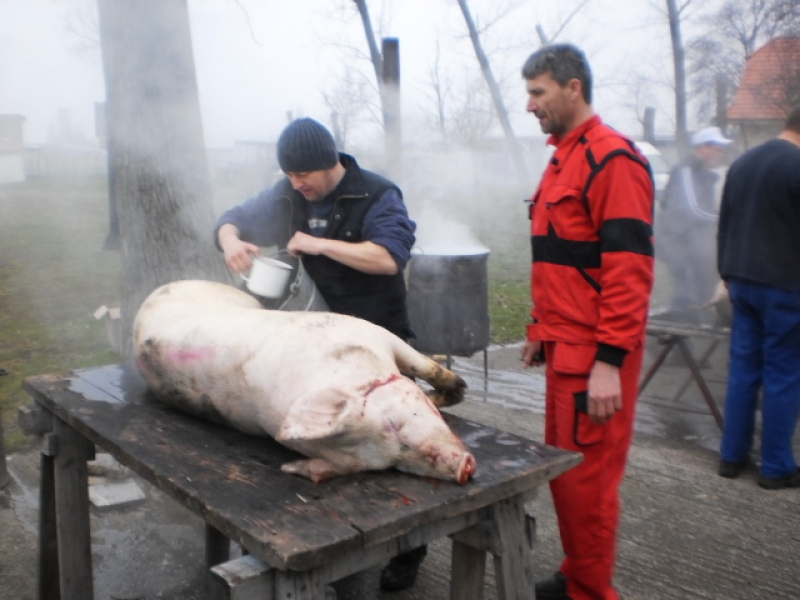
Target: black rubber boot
[(554, 588), (401, 572)]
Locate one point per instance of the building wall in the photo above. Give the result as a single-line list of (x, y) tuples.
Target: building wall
[(11, 133)]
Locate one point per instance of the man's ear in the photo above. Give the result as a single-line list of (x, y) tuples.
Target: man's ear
[(575, 89)]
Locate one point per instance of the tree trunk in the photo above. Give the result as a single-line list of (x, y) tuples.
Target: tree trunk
[(497, 98), (374, 52), (160, 171), (679, 62)]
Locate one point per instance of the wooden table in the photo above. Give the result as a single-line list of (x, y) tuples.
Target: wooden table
[(307, 535), (673, 330)]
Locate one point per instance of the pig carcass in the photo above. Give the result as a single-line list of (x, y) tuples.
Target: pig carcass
[(329, 386)]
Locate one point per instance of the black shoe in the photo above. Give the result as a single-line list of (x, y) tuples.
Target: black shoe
[(554, 588), (401, 572), (778, 483), (731, 470)]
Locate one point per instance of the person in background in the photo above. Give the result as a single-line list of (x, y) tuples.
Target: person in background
[(592, 275), (353, 234), (758, 254), (686, 226)]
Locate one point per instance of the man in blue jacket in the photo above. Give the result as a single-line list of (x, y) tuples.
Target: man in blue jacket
[(759, 259), (350, 228)]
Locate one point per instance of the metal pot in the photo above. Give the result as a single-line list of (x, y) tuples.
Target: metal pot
[(448, 302)]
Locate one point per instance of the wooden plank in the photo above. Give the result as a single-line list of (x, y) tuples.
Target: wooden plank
[(300, 585), (72, 513), (48, 533), (513, 566), (234, 480), (34, 420), (243, 578), (468, 573)]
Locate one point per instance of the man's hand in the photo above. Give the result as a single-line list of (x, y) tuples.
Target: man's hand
[(605, 392), (530, 353), (302, 243), (237, 253)]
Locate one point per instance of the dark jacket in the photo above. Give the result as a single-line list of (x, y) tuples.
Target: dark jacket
[(759, 226), (277, 214)]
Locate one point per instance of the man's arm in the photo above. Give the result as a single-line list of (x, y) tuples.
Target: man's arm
[(388, 233), (363, 256), (622, 208)]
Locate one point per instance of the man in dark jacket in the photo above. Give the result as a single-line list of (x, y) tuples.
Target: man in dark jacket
[(759, 260), (353, 234), (686, 225)]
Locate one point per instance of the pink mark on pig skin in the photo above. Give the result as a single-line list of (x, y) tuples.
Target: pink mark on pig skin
[(188, 356), (376, 384)]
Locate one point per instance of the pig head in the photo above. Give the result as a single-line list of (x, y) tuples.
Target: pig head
[(329, 386)]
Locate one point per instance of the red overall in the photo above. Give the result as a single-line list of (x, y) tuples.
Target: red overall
[(591, 280)]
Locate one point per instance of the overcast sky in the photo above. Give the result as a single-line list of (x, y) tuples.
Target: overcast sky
[(258, 59)]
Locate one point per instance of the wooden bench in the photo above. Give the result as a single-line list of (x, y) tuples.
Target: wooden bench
[(301, 536)]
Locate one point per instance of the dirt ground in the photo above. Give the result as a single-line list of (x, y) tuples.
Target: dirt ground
[(685, 532)]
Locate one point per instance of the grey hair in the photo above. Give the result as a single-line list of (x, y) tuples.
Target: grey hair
[(563, 62)]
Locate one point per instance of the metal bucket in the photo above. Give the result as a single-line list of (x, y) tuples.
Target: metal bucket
[(301, 293), (448, 302)]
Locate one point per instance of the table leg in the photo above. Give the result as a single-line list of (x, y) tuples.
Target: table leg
[(706, 355), (305, 585), (512, 563), (218, 547), (662, 356), (72, 513), (701, 383), (468, 571), (48, 537)]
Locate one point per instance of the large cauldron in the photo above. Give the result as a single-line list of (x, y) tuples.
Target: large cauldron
[(448, 302)]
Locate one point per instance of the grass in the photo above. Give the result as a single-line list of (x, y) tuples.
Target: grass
[(54, 274)]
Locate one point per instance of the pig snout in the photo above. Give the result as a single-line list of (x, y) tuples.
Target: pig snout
[(467, 468)]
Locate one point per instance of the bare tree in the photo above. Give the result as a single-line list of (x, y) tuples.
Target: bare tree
[(439, 95), (731, 35), (349, 99), (497, 99), (160, 175), (676, 9)]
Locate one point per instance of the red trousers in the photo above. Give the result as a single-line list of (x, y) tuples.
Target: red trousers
[(586, 498)]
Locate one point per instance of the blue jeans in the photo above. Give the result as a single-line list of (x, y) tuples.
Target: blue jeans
[(765, 353)]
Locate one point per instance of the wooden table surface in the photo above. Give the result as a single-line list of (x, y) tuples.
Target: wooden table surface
[(233, 480)]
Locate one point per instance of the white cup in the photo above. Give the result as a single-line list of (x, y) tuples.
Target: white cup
[(268, 277)]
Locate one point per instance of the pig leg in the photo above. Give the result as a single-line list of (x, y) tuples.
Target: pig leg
[(448, 388), (315, 469)]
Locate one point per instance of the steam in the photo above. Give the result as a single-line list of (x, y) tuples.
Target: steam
[(439, 234)]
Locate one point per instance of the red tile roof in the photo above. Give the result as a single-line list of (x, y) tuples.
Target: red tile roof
[(762, 93)]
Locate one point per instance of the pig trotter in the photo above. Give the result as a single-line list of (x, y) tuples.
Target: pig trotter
[(315, 469), (442, 398)]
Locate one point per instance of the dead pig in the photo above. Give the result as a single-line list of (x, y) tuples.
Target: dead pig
[(326, 385)]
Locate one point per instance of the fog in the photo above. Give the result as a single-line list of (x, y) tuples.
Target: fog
[(259, 63), (258, 60)]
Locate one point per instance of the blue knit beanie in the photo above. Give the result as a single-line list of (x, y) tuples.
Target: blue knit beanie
[(305, 145)]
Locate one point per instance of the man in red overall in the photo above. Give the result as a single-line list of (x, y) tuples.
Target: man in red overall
[(591, 235)]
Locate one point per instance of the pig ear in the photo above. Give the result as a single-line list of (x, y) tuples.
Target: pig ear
[(317, 416)]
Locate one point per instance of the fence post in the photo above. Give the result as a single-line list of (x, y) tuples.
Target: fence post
[(3, 468)]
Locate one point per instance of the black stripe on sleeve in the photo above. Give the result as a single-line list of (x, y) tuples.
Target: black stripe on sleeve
[(626, 235)]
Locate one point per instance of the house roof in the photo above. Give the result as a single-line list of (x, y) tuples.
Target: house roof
[(762, 93)]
